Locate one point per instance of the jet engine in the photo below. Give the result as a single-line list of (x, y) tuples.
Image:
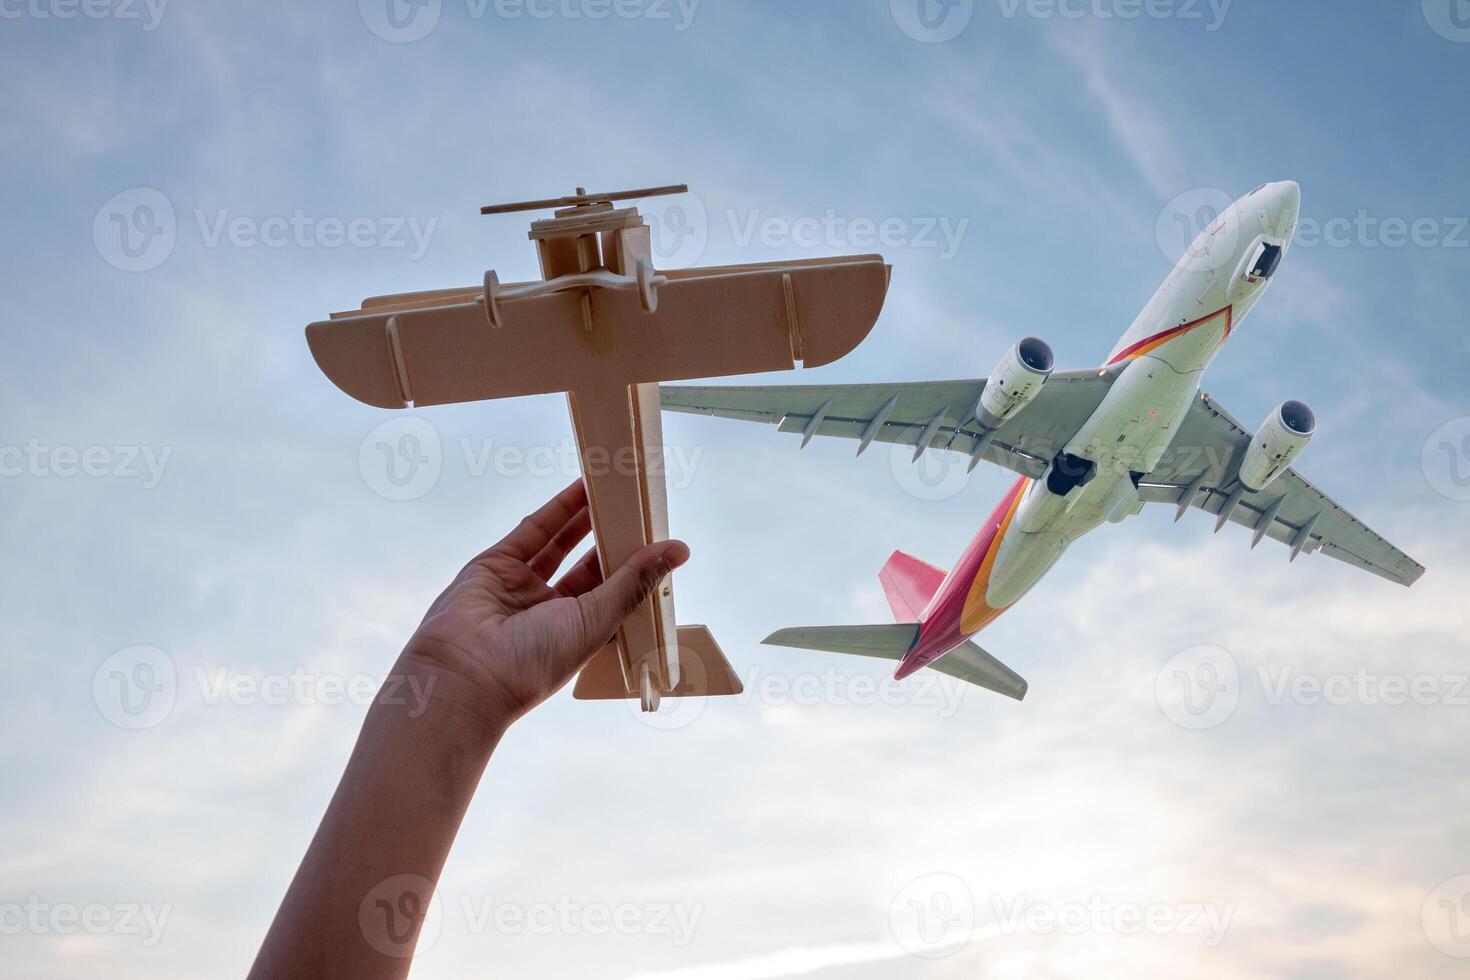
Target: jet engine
[(1280, 439), (1015, 381)]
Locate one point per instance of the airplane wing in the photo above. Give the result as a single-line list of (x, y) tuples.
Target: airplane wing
[(1199, 471), (925, 414)]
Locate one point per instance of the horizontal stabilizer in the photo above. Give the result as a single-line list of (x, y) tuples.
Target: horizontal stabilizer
[(967, 662)]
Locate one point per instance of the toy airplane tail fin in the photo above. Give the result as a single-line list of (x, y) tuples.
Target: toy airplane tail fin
[(909, 584), (967, 661)]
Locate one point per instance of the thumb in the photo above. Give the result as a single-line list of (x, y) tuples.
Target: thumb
[(605, 607)]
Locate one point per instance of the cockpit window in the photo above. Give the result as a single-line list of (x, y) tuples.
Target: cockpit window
[(1266, 262)]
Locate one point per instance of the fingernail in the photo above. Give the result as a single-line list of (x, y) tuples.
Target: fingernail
[(674, 554)]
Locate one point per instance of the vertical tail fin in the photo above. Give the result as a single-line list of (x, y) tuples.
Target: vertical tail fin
[(909, 584)]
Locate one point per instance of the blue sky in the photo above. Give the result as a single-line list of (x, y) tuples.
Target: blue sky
[(231, 522)]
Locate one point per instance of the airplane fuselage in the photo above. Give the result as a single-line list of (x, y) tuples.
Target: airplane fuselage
[(1161, 360)]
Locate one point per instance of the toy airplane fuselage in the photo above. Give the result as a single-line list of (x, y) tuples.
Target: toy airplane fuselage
[(1091, 446)]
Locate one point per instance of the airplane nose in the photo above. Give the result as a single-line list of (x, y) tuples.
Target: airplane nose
[(1280, 204)]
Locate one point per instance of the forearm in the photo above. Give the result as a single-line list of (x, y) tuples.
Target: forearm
[(356, 904)]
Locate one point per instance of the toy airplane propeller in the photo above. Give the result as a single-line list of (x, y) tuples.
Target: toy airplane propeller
[(604, 326)]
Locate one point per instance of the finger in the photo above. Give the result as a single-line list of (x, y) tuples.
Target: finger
[(532, 533), (606, 606), (584, 575), (549, 558)]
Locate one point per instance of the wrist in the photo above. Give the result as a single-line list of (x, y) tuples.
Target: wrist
[(423, 690)]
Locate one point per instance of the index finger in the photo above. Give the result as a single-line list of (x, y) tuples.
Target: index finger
[(533, 532)]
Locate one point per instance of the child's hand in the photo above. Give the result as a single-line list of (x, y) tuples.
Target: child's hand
[(513, 638)]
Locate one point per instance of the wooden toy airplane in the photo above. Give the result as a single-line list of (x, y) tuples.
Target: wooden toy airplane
[(606, 327)]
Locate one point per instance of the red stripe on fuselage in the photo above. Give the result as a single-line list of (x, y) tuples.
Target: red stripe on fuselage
[(1164, 336)]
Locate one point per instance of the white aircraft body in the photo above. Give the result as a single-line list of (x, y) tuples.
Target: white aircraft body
[(1089, 446)]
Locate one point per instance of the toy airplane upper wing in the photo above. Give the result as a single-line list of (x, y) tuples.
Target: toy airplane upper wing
[(946, 415), (926, 414), (1289, 509)]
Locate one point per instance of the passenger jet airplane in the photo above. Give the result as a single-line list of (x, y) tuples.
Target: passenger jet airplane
[(1090, 446)]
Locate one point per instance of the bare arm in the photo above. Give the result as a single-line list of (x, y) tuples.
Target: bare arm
[(496, 643)]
